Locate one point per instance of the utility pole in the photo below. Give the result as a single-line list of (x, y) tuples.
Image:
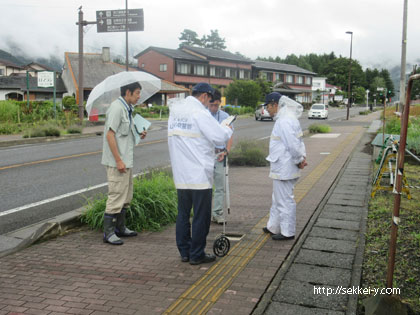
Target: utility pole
[(403, 58), (126, 35), (80, 81), (80, 86), (348, 93)]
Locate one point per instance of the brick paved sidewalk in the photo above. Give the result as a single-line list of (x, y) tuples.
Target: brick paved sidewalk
[(78, 274)]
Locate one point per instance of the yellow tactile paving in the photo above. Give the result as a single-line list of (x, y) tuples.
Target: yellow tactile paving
[(200, 297)]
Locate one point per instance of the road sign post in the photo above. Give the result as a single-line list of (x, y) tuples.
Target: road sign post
[(115, 20), (46, 79)]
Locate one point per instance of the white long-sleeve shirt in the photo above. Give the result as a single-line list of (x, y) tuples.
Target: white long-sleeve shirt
[(287, 149), (192, 136)]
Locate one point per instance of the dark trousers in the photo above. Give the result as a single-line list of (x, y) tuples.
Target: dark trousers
[(191, 240)]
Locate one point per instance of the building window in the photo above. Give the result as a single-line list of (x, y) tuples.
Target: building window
[(183, 68), (263, 75), (309, 80), (163, 67), (199, 69), (233, 73), (220, 72), (227, 73), (301, 79), (241, 74), (247, 74), (212, 71), (142, 65), (289, 78), (277, 77)]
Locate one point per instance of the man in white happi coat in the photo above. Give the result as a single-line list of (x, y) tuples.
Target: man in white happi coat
[(287, 157), (193, 135)]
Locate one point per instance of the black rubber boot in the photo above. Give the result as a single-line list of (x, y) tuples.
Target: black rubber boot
[(121, 230), (110, 222)]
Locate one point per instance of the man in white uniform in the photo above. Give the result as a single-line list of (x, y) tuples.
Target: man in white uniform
[(287, 157), (192, 136), (221, 154)]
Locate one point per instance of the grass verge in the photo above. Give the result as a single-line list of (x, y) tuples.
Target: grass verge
[(154, 204), (407, 261), (316, 128), (249, 153)]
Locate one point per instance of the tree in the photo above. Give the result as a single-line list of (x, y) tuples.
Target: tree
[(213, 40), (337, 72), (190, 38), (359, 95), (245, 92)]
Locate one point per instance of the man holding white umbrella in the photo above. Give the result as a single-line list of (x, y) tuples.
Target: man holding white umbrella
[(117, 156)]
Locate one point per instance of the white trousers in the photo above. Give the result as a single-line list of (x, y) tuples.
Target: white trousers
[(283, 208)]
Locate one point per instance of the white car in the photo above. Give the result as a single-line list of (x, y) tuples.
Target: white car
[(262, 113), (318, 111)]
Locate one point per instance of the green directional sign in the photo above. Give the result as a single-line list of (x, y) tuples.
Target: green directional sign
[(115, 20)]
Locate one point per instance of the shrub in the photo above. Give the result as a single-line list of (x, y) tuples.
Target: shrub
[(249, 153), (315, 128), (238, 110), (8, 112), (245, 92), (393, 126), (154, 204), (8, 128), (43, 131), (74, 129), (365, 112), (69, 103)]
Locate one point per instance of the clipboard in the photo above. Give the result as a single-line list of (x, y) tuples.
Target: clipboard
[(140, 124), (228, 121)]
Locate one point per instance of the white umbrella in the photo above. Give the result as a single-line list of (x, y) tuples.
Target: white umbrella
[(108, 90)]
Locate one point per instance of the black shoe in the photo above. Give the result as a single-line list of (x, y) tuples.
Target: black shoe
[(185, 259), (207, 258), (280, 237), (265, 230)]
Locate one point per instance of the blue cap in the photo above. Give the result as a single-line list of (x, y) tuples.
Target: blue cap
[(203, 88), (272, 97)]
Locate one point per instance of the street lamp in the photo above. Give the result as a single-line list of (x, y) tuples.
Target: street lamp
[(348, 94)]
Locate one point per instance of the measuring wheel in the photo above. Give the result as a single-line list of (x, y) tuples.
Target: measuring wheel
[(221, 246)]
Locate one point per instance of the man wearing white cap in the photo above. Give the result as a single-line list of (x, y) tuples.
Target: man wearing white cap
[(287, 157), (192, 136)]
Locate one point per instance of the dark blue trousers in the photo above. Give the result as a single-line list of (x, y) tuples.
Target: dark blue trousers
[(191, 240)]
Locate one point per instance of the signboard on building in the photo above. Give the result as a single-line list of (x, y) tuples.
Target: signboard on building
[(45, 79), (115, 20)]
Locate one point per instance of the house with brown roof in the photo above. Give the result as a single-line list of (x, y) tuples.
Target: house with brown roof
[(96, 68), (8, 67), (290, 80), (189, 65)]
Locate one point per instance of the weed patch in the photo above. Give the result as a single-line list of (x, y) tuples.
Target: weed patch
[(249, 153), (407, 261), (154, 204), (316, 128)]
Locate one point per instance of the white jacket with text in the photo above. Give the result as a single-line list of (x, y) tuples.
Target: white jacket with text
[(192, 136)]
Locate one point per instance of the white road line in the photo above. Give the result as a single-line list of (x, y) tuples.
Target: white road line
[(42, 202)]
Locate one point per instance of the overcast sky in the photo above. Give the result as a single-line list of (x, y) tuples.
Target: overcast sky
[(253, 28)]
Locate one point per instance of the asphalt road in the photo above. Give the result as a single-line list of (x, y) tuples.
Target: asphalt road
[(40, 181)]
